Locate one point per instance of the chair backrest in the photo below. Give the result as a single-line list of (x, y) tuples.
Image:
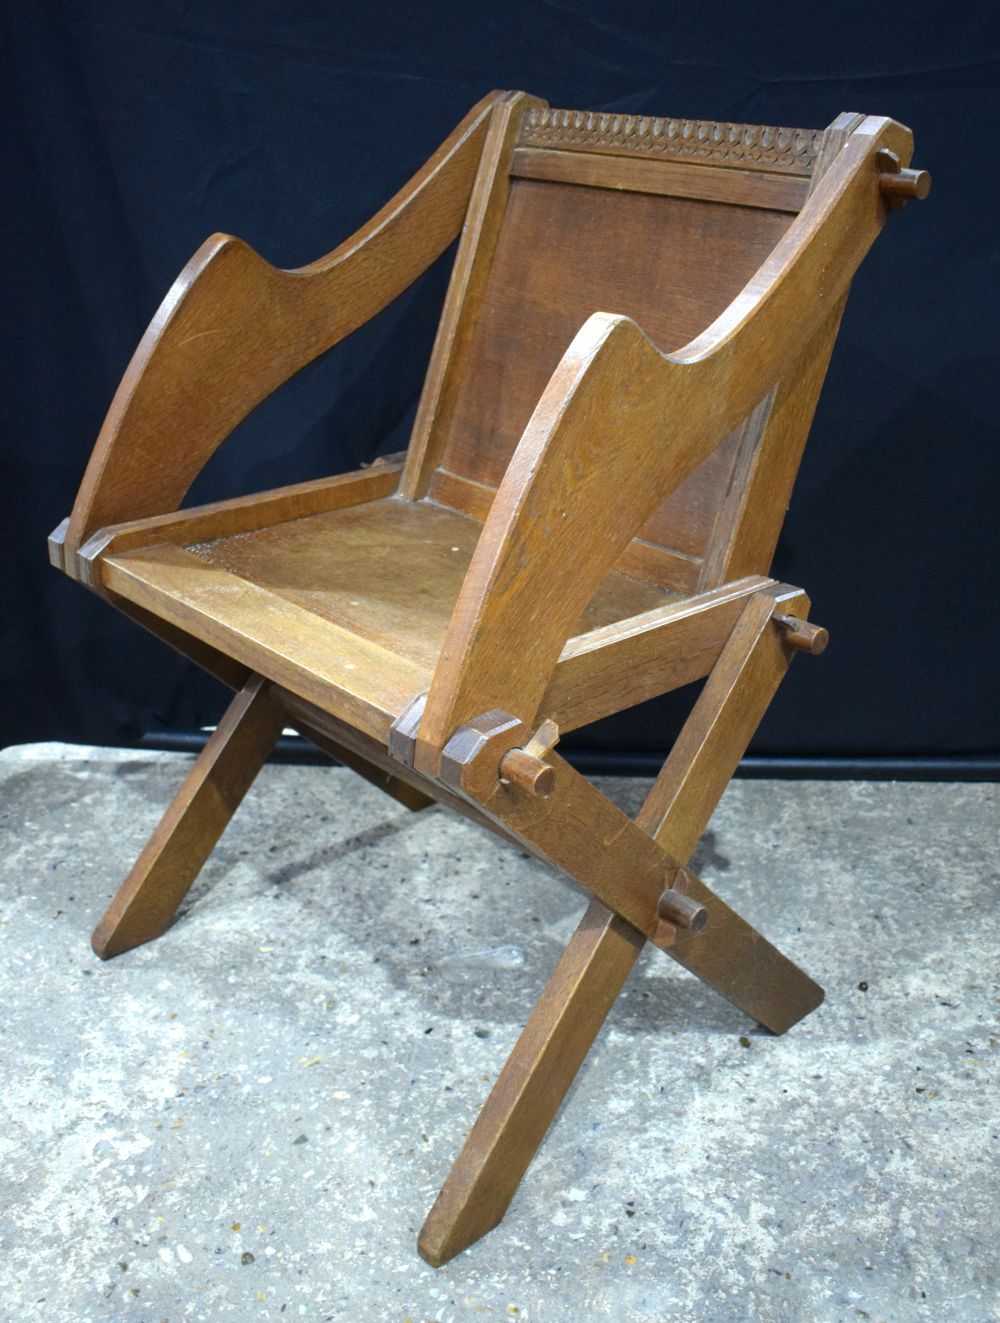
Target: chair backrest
[(664, 221)]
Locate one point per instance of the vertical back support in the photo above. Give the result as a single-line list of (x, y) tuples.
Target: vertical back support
[(661, 220)]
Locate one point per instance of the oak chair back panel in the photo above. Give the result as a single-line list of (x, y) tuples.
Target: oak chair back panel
[(565, 251)]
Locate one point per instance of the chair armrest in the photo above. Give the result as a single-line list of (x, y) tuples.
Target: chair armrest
[(618, 427), (233, 328)]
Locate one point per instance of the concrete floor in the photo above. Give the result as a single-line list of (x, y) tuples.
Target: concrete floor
[(249, 1118)]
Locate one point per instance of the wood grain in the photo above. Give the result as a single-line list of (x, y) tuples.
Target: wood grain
[(619, 426), (612, 668), (730, 955), (363, 683), (449, 363), (722, 144), (677, 179), (233, 328), (753, 511), (389, 571), (672, 570), (239, 515), (198, 814), (722, 722), (531, 1086), (671, 264), (358, 598), (633, 342)]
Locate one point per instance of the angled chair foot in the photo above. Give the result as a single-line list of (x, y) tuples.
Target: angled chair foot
[(187, 833), (744, 967), (739, 963), (533, 1083)]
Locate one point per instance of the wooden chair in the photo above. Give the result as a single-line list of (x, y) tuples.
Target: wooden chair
[(636, 331)]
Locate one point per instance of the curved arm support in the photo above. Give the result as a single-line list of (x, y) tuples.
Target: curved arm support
[(618, 427), (233, 328)]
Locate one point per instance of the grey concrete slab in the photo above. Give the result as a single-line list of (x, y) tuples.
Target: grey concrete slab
[(249, 1118)]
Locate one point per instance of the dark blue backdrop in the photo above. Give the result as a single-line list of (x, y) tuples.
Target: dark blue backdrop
[(139, 128)]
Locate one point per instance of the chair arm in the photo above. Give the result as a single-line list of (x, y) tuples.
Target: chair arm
[(618, 427), (233, 328)]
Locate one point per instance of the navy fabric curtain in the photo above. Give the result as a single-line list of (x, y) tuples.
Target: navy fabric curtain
[(136, 129)]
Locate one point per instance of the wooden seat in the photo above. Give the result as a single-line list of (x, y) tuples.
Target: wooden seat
[(351, 605), (639, 320)]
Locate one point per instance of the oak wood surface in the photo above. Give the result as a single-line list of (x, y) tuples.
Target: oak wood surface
[(384, 777), (449, 363), (713, 739), (614, 667), (238, 515), (388, 570), (636, 331), (602, 952), (582, 989), (233, 328), (355, 603), (678, 179), (338, 670), (326, 730), (172, 858), (737, 961), (619, 426), (699, 142), (752, 510), (625, 864), (834, 137), (650, 562), (671, 264)]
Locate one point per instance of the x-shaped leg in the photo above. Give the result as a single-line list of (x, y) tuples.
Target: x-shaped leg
[(208, 797), (730, 955), (625, 864)]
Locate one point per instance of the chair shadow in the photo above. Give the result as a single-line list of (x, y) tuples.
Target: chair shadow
[(489, 997)]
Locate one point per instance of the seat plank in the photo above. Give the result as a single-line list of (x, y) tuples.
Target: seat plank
[(360, 596), (354, 679), (390, 571), (239, 514)]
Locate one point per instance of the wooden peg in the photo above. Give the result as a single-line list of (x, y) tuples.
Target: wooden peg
[(897, 184), (682, 911), (526, 767), (905, 185), (803, 634), (528, 772)]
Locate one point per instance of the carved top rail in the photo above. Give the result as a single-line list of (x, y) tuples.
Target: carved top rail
[(744, 146)]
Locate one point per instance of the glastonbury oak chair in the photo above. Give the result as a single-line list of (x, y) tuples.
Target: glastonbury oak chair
[(638, 324)]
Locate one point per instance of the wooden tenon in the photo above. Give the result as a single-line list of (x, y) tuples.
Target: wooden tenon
[(637, 327)]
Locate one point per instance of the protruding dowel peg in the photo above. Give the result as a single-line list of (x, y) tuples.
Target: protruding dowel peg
[(529, 773), (676, 908), (803, 634), (905, 184)]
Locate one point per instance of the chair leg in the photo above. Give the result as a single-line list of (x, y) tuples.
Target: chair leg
[(209, 796), (744, 967), (732, 958), (531, 1086)]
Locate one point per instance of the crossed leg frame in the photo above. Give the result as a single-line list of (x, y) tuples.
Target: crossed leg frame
[(623, 863)]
